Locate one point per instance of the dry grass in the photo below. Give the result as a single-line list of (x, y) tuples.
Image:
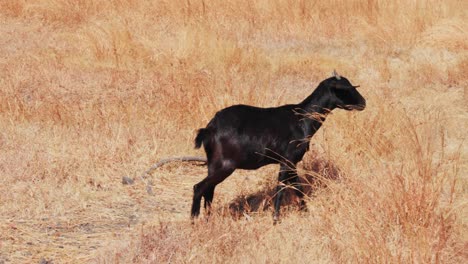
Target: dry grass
[(91, 91)]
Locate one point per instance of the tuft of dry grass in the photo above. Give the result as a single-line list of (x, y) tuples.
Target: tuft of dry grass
[(91, 91)]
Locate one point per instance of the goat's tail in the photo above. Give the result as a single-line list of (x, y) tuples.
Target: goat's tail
[(202, 135)]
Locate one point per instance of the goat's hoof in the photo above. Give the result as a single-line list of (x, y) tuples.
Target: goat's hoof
[(276, 220), (206, 218), (303, 209), (193, 218)]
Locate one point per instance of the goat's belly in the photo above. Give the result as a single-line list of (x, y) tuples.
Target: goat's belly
[(248, 153), (253, 163)]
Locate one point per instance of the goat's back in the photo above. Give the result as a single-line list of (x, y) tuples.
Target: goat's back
[(249, 136), (247, 118)]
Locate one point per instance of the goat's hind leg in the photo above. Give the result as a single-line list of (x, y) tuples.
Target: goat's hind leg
[(208, 196), (206, 187), (217, 177), (197, 194)]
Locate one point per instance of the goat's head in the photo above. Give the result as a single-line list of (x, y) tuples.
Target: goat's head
[(345, 95)]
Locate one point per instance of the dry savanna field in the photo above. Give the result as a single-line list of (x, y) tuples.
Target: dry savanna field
[(91, 91)]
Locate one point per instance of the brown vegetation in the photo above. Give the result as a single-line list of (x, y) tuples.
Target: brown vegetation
[(91, 91)]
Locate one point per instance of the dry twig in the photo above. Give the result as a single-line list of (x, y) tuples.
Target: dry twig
[(165, 161)]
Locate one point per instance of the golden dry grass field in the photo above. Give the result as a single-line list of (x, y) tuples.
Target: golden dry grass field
[(91, 91)]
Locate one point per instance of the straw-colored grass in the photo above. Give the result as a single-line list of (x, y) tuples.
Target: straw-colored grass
[(91, 91)]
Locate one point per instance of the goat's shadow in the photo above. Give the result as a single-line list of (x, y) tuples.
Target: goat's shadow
[(318, 172)]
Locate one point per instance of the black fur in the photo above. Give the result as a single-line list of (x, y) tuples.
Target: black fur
[(248, 137)]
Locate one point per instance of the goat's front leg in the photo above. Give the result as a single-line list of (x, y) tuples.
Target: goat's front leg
[(284, 176), (299, 190)]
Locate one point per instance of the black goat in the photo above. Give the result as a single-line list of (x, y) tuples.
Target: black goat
[(248, 137)]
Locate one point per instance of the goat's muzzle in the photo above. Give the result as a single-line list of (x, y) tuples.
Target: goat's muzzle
[(359, 107)]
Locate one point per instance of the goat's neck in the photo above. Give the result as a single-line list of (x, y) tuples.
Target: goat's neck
[(315, 109)]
